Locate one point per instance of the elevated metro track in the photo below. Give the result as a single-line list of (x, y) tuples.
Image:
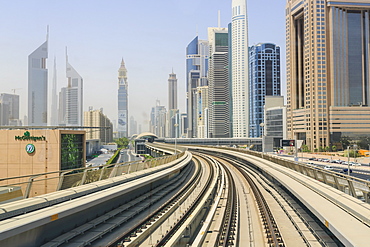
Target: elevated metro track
[(207, 197)]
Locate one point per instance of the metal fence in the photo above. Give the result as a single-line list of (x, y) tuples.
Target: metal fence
[(350, 185), (38, 184)]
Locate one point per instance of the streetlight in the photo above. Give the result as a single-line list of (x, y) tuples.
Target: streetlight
[(262, 125), (348, 159), (176, 125)]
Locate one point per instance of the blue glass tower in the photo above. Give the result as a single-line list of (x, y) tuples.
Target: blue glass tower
[(196, 76), (264, 77)]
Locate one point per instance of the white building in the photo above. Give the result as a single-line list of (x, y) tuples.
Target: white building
[(239, 65), (38, 86), (71, 98)]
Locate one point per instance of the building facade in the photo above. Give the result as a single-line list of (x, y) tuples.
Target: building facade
[(73, 97), (239, 68), (264, 80), (172, 91), (122, 127), (9, 109), (102, 127), (54, 113), (328, 81), (196, 76), (275, 119), (36, 151), (219, 84), (158, 116), (38, 86)]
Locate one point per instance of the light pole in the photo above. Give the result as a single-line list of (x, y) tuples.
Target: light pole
[(262, 125), (176, 125), (348, 159)]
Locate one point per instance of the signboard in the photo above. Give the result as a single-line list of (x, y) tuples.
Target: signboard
[(122, 121), (287, 143)]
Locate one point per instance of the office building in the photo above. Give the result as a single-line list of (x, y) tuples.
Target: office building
[(219, 84), (239, 68), (275, 120), (73, 97), (172, 91), (157, 124), (122, 127), (202, 99), (38, 86), (9, 109), (327, 71), (102, 127), (54, 119), (264, 80), (196, 76), (133, 126)]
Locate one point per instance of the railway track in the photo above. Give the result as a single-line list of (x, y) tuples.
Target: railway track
[(218, 199)]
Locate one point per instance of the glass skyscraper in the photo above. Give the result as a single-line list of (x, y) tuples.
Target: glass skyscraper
[(196, 76), (264, 80), (38, 86)]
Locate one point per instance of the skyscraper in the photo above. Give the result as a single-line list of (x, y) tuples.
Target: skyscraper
[(218, 76), (122, 127), (74, 97), (54, 99), (172, 91), (264, 80), (239, 67), (9, 108), (328, 77), (38, 86), (196, 76)]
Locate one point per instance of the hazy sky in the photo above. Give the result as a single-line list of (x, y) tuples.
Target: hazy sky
[(151, 36)]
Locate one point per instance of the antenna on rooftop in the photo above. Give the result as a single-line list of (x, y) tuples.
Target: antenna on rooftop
[(219, 18)]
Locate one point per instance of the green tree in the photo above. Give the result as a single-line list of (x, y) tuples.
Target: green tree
[(334, 148), (345, 141), (122, 142), (327, 149)]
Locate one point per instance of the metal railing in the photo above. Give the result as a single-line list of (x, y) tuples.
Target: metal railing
[(350, 185), (21, 187)]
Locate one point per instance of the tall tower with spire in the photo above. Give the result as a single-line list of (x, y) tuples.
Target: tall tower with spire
[(122, 127), (38, 86)]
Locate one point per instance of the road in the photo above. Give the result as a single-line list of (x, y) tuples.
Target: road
[(126, 155)]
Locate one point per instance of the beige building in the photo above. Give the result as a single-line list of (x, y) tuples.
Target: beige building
[(102, 127), (328, 70), (36, 151)]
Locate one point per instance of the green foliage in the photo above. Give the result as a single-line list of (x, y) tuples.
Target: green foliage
[(304, 148), (315, 150), (71, 155), (147, 157), (114, 158), (345, 141), (364, 142), (122, 142), (321, 149), (327, 149), (352, 153)]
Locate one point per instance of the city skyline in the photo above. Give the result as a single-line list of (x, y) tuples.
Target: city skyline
[(100, 46)]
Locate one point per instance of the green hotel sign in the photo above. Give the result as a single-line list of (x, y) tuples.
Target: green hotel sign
[(27, 137)]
